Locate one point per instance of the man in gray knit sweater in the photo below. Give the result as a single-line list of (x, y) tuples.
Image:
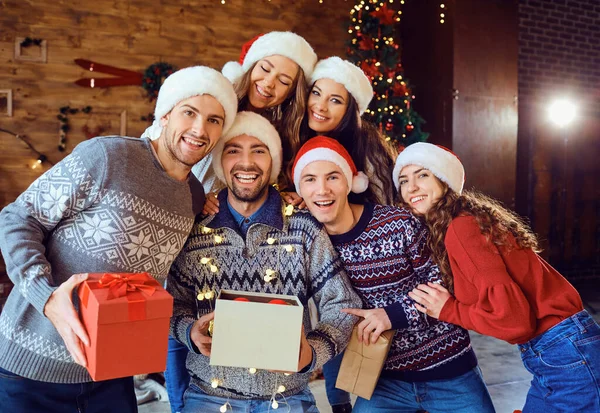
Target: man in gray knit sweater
[(114, 204), (232, 250)]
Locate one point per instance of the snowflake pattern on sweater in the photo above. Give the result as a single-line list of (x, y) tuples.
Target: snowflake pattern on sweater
[(310, 269), (103, 208), (386, 256)]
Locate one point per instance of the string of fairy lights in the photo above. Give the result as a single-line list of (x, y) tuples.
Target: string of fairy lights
[(41, 158), (442, 7), (270, 275)]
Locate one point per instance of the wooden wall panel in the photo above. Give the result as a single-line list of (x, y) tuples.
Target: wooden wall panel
[(485, 116), (131, 34)]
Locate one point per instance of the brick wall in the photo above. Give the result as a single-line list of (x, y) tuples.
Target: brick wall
[(559, 56), (559, 49)]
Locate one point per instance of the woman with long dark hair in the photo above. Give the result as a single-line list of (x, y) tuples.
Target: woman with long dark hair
[(339, 94), (495, 283)]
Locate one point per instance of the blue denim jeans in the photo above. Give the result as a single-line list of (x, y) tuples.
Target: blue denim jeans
[(195, 400), (177, 378), (21, 395), (330, 373), (463, 394), (565, 363)]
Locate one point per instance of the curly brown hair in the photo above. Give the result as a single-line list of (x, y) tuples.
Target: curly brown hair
[(495, 222), (286, 117)]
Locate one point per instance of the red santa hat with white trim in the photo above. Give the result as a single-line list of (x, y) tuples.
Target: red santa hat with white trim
[(322, 148), (286, 44)]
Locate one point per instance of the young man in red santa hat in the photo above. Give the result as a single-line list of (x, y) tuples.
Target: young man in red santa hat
[(431, 365)]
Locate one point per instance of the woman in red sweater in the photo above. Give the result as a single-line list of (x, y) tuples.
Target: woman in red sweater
[(497, 285)]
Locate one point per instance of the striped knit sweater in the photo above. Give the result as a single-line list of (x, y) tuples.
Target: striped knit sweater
[(385, 256), (311, 269), (109, 206)]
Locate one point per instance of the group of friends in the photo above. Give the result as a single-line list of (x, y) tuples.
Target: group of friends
[(203, 201)]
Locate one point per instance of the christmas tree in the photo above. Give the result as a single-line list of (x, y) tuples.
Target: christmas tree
[(373, 47)]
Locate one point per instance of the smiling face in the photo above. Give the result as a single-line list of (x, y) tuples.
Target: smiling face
[(271, 81), (325, 191), (420, 189), (247, 166), (190, 131), (327, 104)]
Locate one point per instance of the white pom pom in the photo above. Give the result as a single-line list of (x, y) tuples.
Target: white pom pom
[(153, 131), (233, 71), (360, 183)]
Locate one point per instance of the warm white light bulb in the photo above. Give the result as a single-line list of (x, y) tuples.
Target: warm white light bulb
[(562, 112)]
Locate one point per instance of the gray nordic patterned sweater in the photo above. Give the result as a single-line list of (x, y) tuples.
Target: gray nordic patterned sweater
[(311, 269), (107, 207)]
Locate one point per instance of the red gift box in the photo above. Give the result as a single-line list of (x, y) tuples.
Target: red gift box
[(127, 320)]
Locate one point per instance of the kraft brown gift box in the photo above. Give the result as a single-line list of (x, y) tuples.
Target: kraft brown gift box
[(362, 365)]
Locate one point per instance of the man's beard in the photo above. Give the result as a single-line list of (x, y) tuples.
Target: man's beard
[(246, 195)]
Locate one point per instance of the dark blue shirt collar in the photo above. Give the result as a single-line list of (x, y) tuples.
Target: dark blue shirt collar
[(270, 213)]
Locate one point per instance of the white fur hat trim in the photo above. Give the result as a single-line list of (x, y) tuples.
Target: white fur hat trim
[(252, 124), (189, 82), (347, 74), (444, 164)]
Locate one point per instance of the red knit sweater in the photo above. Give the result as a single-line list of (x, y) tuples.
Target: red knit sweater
[(508, 293)]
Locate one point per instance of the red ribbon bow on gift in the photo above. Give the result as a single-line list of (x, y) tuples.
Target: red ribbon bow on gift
[(120, 284)]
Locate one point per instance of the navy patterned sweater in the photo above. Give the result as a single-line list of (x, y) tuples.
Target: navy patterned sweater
[(386, 256)]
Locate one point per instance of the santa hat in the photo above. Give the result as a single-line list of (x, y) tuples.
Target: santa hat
[(322, 148), (441, 161), (352, 77), (189, 82), (252, 124), (286, 44)]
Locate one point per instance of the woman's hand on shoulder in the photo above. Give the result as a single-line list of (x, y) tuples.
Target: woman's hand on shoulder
[(211, 206), (294, 199)]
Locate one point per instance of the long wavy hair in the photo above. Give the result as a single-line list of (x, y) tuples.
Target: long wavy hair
[(286, 117), (368, 150), (496, 223)]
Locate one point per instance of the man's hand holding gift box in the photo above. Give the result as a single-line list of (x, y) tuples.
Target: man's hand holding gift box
[(126, 317)]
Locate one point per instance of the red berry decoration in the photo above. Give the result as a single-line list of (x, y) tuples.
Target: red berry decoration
[(241, 299), (278, 301)]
